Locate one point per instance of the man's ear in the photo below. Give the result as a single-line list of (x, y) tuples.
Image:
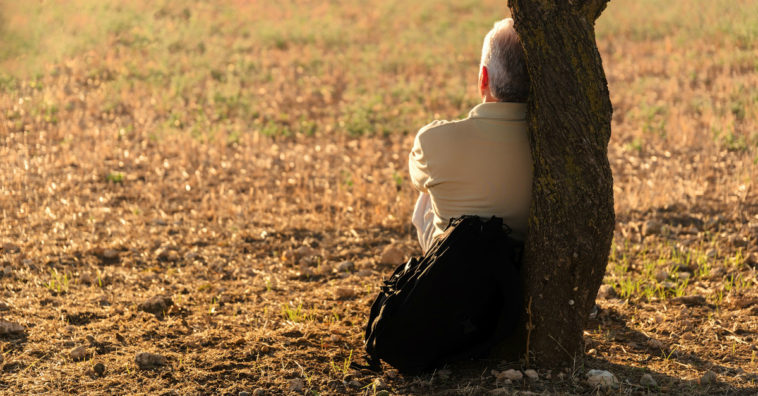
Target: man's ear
[(484, 82)]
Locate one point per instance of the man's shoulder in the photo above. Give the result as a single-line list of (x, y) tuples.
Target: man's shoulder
[(439, 129)]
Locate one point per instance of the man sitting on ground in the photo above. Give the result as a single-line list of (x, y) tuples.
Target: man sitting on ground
[(480, 165)]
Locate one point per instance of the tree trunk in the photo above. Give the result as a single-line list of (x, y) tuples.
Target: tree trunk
[(572, 218)]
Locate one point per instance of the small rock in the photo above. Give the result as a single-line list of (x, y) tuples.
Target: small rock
[(99, 369), (742, 302), (156, 305), (708, 378), (8, 328), (78, 353), (310, 261), (296, 385), (444, 374), (304, 251), (259, 392), (110, 254), (738, 241), (10, 248), (364, 273), (344, 292), (531, 374), (602, 379), (168, 254), (751, 259), (392, 255), (511, 374), (147, 360), (689, 300), (655, 344), (378, 384), (243, 393), (306, 272), (86, 278), (606, 292), (651, 227), (648, 380), (353, 384), (661, 275), (346, 266)]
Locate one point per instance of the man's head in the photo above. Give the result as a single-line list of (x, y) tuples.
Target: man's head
[(502, 72)]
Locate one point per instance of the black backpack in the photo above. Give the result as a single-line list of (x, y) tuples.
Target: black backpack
[(456, 302)]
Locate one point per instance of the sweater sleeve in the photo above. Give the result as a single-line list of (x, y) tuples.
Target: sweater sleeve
[(418, 165)]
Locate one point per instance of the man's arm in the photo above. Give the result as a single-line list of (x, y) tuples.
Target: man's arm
[(418, 165)]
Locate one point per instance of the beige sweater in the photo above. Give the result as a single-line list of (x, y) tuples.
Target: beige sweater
[(480, 166)]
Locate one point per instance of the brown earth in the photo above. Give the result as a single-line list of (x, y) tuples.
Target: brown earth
[(230, 261)]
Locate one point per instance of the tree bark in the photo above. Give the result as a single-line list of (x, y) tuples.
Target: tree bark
[(572, 218)]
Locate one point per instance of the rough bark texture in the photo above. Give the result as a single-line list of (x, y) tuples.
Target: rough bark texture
[(572, 217)]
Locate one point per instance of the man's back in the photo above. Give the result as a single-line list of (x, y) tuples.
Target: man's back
[(480, 166)]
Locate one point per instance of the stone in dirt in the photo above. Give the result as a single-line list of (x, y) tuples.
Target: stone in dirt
[(602, 379), (110, 254), (743, 302), (99, 369), (444, 374), (655, 344), (78, 353), (708, 378), (531, 374), (510, 374), (259, 392), (648, 380), (652, 227), (156, 305), (606, 292), (353, 384), (8, 328), (346, 266), (689, 300), (344, 292), (304, 251), (513, 375), (10, 248), (296, 385), (147, 360), (392, 255)]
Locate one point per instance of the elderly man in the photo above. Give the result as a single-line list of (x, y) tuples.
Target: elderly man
[(480, 165)]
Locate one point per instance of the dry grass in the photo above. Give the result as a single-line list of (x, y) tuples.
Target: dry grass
[(191, 150)]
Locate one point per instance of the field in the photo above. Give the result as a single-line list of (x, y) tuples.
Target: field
[(224, 184)]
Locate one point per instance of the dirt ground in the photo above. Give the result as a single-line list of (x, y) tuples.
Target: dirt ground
[(259, 262), (175, 222)]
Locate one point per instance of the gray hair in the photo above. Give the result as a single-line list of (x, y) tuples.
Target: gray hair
[(503, 56)]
